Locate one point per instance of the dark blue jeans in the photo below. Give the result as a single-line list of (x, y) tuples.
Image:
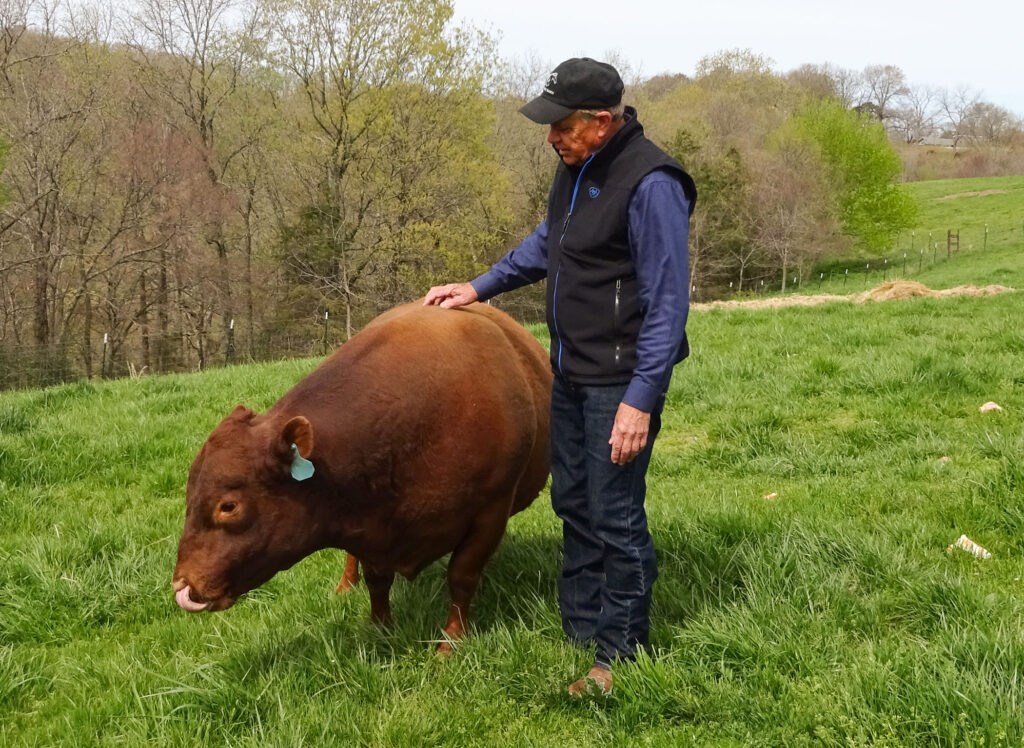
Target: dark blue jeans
[(608, 568)]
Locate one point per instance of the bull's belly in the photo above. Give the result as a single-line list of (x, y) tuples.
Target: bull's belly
[(412, 550), (409, 561)]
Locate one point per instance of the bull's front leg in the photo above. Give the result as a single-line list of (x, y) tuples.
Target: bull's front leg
[(350, 578), (379, 584)]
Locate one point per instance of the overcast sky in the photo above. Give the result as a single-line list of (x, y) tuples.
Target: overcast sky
[(939, 43)]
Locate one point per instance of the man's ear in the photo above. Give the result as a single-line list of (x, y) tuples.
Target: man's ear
[(299, 431)]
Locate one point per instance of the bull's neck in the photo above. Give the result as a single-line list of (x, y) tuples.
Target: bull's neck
[(341, 513)]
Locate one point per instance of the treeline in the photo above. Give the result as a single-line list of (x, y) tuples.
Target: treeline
[(940, 132), (199, 181)]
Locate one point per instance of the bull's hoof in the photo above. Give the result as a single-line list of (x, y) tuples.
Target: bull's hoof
[(445, 649)]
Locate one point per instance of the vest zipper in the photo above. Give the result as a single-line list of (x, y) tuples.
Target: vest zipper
[(572, 203), (565, 227), (618, 296)]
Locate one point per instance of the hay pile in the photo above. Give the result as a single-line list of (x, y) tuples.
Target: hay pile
[(901, 289), (890, 291)]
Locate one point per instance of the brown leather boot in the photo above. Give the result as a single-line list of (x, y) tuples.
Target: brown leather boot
[(597, 682)]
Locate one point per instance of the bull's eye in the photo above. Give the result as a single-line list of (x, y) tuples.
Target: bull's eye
[(227, 507)]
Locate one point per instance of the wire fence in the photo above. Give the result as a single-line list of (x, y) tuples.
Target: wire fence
[(31, 365), (915, 252), (28, 365)]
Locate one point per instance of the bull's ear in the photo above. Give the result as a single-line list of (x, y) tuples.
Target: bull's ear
[(299, 431)]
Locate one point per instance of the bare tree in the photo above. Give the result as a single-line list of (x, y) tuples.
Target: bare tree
[(816, 79), (957, 104), (192, 53), (883, 84), (987, 123), (847, 84), (918, 113), (45, 115), (790, 218)]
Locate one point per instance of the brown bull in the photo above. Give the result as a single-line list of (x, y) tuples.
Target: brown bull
[(417, 438)]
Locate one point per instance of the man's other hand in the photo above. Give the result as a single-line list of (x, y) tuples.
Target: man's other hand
[(629, 433), (451, 295)]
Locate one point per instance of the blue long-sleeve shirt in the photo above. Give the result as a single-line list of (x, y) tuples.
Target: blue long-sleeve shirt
[(659, 230)]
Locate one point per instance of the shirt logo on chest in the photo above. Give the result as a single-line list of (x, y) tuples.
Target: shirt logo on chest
[(594, 192)]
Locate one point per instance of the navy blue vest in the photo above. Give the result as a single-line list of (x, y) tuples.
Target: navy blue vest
[(593, 309)]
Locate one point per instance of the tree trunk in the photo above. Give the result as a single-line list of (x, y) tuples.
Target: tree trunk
[(86, 329), (42, 317), (162, 314), (144, 321), (250, 312)]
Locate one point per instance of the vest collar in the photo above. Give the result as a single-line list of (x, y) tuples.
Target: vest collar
[(627, 133)]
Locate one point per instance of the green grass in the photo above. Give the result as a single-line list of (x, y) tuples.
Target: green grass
[(831, 615), (981, 261)]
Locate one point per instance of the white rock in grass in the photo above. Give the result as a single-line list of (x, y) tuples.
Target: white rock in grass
[(989, 406)]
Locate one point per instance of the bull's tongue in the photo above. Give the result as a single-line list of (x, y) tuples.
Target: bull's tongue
[(187, 603)]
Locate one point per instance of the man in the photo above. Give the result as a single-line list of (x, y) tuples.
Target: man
[(614, 250)]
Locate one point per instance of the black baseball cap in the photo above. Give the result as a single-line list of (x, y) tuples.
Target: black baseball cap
[(577, 83)]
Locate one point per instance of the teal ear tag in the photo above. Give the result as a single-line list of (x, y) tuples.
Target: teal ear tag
[(302, 469)]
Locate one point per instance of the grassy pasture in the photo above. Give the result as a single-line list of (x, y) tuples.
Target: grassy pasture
[(949, 204), (829, 615)]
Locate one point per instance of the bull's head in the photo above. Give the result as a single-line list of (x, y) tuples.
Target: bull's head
[(248, 515)]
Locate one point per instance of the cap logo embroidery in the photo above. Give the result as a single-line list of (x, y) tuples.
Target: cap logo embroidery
[(552, 80), (594, 191)]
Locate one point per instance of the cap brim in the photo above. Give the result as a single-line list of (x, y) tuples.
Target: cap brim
[(544, 111)]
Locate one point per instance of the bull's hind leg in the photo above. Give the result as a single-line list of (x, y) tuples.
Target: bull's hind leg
[(465, 569), (351, 576)]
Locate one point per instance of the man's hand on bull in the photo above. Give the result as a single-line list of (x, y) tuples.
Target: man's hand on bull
[(629, 433), (451, 295)]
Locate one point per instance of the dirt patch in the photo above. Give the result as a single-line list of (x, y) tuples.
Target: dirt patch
[(972, 194), (890, 291)]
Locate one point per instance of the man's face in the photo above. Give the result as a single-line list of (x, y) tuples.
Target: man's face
[(576, 137)]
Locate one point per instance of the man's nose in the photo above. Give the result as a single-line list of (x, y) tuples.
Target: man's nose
[(552, 136)]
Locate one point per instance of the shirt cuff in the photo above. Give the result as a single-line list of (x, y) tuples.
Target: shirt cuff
[(487, 286), (642, 396)]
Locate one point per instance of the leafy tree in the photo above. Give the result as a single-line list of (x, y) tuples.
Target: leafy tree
[(864, 172), (733, 62), (720, 244), (392, 122)]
